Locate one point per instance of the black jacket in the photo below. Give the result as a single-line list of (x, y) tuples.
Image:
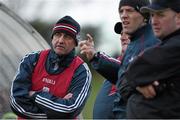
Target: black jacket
[(162, 64)]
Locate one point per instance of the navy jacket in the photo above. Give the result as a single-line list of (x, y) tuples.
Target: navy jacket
[(111, 69), (27, 107)]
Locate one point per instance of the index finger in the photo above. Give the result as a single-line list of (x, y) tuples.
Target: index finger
[(90, 38)]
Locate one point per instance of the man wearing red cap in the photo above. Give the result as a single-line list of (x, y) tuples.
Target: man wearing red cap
[(52, 83), (155, 74)]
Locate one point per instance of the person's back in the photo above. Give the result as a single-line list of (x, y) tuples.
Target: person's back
[(154, 75)]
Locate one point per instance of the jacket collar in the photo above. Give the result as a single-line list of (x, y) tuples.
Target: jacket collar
[(139, 32), (177, 32), (64, 60)]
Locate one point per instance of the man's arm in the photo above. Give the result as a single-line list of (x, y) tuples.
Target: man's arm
[(154, 67), (105, 65), (71, 105), (20, 101)]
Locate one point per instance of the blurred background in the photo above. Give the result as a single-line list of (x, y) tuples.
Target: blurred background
[(96, 17)]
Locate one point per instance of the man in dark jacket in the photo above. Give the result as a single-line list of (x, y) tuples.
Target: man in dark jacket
[(134, 23), (103, 105), (52, 83), (154, 75)]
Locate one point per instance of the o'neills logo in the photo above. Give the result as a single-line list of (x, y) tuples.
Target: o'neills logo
[(49, 81)]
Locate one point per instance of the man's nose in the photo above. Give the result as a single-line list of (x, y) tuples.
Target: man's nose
[(124, 14), (61, 39)]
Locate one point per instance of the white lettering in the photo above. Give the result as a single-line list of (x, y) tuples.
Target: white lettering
[(49, 81)]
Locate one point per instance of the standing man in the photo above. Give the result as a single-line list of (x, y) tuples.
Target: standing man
[(103, 106), (154, 75), (136, 24), (53, 83)]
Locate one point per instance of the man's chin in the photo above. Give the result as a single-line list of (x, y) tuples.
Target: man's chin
[(59, 52)]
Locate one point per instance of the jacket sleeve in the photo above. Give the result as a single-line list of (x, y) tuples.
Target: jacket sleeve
[(56, 107), (106, 66), (157, 63), (20, 101)]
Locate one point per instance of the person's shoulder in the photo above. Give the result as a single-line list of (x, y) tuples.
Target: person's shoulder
[(175, 40), (38, 52), (176, 37), (83, 66), (32, 53), (32, 56), (83, 70)]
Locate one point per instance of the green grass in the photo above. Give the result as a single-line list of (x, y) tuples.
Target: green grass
[(96, 84)]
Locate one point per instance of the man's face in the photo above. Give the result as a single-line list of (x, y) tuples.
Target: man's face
[(125, 40), (62, 43), (131, 19), (164, 22)]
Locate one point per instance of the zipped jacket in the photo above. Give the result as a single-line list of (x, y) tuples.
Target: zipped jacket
[(46, 103), (111, 68)]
